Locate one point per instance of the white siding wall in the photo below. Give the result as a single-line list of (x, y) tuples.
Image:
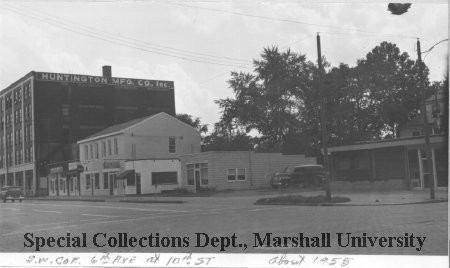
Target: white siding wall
[(146, 167), (152, 138), (259, 167)]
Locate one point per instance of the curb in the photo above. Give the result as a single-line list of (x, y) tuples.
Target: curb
[(153, 201), (112, 201), (354, 205), (66, 199)]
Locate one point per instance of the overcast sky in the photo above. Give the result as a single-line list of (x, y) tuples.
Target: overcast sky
[(198, 43)]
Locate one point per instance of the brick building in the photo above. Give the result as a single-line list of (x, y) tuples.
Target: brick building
[(42, 115)]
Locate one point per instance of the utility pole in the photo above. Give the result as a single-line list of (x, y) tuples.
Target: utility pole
[(429, 172), (323, 121)]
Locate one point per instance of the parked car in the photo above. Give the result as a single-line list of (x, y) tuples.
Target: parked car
[(11, 193), (280, 179), (305, 176)]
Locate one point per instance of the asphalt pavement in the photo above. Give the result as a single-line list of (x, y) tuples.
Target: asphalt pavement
[(201, 219)]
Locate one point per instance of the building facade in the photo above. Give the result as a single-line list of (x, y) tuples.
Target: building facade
[(116, 160), (42, 115), (235, 170), (397, 163)]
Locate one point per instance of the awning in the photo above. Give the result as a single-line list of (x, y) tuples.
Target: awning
[(125, 174)]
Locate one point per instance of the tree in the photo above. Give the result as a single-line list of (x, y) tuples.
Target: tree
[(194, 122), (268, 100), (391, 82)]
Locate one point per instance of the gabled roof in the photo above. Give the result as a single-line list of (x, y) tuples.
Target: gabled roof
[(121, 128), (118, 128)]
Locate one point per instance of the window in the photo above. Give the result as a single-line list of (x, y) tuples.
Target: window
[(18, 116), (190, 174), (18, 136), (343, 163), (88, 181), (171, 145), (105, 180), (27, 133), (362, 162), (61, 185), (159, 178), (236, 174), (103, 148), (96, 150), (116, 146), (71, 184), (86, 152), (241, 174), (28, 111), (65, 110), (109, 147), (204, 173), (97, 180), (28, 154), (91, 151), (8, 120), (231, 174), (131, 181), (27, 92), (17, 96)]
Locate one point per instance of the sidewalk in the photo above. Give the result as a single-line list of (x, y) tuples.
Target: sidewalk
[(250, 196)]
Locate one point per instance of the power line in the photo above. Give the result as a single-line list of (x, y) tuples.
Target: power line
[(435, 45), (126, 43), (151, 45), (279, 19), (369, 35)]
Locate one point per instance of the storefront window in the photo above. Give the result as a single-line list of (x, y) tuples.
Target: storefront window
[(97, 180), (131, 180), (105, 180), (190, 174), (204, 173), (88, 181)]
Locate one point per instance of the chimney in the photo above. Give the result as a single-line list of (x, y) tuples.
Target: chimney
[(106, 71)]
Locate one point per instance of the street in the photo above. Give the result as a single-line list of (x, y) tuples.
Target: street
[(220, 219)]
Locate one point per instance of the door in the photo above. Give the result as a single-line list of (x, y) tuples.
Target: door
[(138, 183), (111, 184)]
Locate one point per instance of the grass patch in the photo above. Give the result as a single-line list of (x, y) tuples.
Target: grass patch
[(300, 200)]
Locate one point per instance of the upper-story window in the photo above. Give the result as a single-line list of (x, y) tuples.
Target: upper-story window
[(86, 152), (109, 147), (96, 150), (17, 96), (18, 116), (65, 109), (172, 147), (91, 151), (103, 148), (8, 101), (26, 90), (116, 146)]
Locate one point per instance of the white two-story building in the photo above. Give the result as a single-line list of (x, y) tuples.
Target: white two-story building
[(136, 157)]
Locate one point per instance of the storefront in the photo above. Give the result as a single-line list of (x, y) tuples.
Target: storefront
[(389, 164)]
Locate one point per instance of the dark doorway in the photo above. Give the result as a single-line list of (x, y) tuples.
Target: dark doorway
[(111, 185)]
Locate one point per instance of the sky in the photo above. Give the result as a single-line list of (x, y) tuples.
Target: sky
[(198, 43)]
